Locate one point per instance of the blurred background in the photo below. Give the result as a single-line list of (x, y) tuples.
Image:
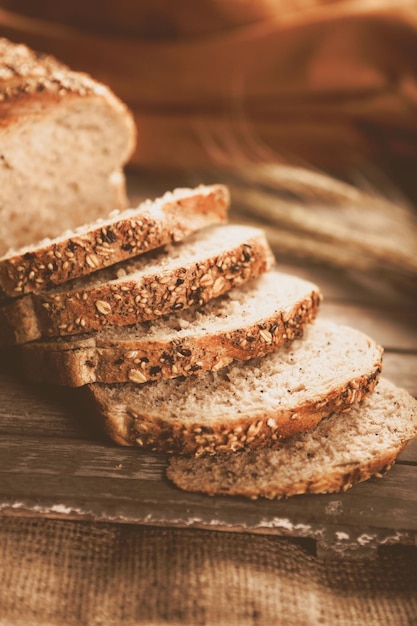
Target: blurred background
[(308, 108)]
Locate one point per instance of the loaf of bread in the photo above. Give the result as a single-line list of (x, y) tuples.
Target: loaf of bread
[(249, 404), (343, 449), (248, 321), (64, 139), (205, 265), (108, 241)]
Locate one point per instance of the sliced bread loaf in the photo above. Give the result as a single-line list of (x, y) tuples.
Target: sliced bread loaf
[(248, 321), (253, 404), (204, 266), (105, 242), (64, 139), (340, 451)]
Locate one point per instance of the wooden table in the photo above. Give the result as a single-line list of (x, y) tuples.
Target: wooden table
[(55, 463)]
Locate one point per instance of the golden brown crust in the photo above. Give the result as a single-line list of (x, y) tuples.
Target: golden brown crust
[(142, 361), (113, 429), (259, 431), (28, 77), (18, 322), (333, 481), (128, 301), (121, 238), (340, 452)]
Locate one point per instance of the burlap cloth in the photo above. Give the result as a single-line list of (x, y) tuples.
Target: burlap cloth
[(76, 573)]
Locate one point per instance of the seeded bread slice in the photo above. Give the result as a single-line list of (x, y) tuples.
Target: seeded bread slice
[(342, 450), (255, 403), (248, 321), (105, 242), (204, 266)]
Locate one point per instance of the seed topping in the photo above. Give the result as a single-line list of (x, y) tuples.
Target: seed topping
[(103, 307)]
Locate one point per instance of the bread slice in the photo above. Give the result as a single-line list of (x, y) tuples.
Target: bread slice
[(204, 266), (64, 139), (108, 241), (255, 403), (342, 450), (248, 321)]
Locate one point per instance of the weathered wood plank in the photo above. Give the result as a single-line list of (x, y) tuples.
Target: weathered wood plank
[(30, 409), (57, 478)]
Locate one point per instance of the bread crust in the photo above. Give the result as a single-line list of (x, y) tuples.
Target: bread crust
[(110, 241), (145, 360), (128, 300), (31, 81), (18, 323), (334, 482), (263, 430), (366, 445)]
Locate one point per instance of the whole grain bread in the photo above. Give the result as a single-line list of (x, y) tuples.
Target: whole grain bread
[(108, 241), (64, 139), (251, 320), (205, 265), (249, 404), (340, 451)]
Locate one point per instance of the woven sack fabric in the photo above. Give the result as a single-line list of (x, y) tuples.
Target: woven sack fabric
[(82, 574)]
